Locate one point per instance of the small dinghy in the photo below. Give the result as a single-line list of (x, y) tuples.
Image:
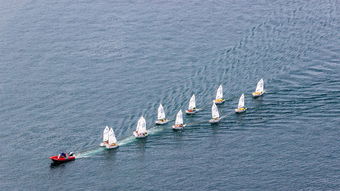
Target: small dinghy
[(112, 142), (215, 115), (192, 106), (240, 107), (219, 95), (105, 136), (259, 89), (161, 116), (141, 131), (63, 157), (179, 121)]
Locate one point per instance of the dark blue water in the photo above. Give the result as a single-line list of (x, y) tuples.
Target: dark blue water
[(68, 68)]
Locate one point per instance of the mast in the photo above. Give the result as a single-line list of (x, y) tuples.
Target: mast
[(161, 113), (219, 94), (192, 102), (106, 134), (214, 111), (112, 137), (241, 102), (260, 86), (141, 125), (179, 118)]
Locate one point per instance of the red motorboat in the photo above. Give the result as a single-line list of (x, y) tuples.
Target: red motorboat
[(63, 157)]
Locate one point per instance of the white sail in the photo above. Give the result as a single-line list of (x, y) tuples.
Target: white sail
[(161, 113), (241, 102), (106, 134), (260, 86), (179, 118), (219, 94), (112, 137), (141, 125), (214, 111), (192, 102)]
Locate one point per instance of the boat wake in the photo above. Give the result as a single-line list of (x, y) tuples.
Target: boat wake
[(123, 142)]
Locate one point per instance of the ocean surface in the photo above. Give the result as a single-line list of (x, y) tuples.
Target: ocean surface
[(69, 68)]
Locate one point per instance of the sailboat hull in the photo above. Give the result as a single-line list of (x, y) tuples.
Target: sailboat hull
[(257, 94), (240, 110), (111, 146), (190, 112), (212, 121), (140, 136), (177, 128), (218, 102), (159, 122)]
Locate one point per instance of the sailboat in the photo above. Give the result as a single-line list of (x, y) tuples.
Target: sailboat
[(215, 115), (192, 105), (112, 142), (161, 116), (240, 107), (179, 121), (141, 131), (105, 136), (219, 95), (259, 89)]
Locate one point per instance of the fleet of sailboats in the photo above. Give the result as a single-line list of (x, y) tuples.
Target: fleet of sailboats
[(109, 138)]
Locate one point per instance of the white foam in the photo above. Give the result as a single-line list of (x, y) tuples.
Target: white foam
[(123, 142)]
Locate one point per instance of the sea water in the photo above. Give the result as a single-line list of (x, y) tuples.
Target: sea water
[(69, 68)]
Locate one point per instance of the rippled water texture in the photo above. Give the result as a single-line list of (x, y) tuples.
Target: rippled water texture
[(68, 68)]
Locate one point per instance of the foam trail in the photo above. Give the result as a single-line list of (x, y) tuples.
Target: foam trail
[(123, 142), (89, 153), (155, 130)]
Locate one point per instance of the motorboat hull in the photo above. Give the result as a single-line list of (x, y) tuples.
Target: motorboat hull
[(57, 159)]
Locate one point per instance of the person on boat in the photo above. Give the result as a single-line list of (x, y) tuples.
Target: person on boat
[(62, 155), (192, 110)]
